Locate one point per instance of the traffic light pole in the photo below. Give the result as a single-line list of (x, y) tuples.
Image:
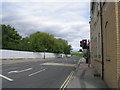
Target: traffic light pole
[(88, 56), (85, 45)]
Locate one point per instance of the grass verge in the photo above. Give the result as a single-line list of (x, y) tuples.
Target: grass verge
[(76, 54)]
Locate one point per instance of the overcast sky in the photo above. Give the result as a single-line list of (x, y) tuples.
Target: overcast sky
[(64, 19)]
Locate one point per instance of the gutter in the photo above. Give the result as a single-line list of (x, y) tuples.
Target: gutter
[(102, 40)]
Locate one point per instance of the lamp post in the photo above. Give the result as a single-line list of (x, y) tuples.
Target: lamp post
[(44, 53)]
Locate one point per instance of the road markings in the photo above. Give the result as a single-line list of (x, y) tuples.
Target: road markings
[(19, 71), (59, 64), (9, 79), (37, 72), (66, 82)]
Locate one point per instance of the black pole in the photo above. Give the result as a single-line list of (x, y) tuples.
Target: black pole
[(88, 53), (44, 54), (102, 40)]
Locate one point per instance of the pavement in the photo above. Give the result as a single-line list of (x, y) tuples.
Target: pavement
[(84, 78)]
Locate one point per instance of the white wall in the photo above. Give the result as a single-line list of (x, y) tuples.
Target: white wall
[(12, 54)]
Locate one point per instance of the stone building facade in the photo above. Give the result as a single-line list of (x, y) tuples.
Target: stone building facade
[(105, 41)]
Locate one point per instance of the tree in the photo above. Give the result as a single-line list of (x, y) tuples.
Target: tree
[(10, 37), (61, 46), (37, 42), (25, 44), (41, 41)]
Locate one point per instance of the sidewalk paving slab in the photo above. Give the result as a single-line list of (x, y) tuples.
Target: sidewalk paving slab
[(84, 78)]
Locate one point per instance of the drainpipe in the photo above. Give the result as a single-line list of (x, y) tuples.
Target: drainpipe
[(102, 40)]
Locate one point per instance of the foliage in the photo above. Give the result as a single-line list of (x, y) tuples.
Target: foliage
[(37, 42), (10, 37)]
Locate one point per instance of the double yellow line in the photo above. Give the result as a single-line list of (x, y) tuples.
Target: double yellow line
[(64, 85)]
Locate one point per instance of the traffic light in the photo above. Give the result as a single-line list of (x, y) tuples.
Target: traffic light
[(84, 44), (80, 43)]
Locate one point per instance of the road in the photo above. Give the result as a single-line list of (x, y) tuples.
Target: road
[(38, 74)]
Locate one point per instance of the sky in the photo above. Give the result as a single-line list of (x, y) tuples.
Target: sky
[(66, 19)]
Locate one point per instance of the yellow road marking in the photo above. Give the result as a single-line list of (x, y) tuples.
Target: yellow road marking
[(66, 82), (64, 85)]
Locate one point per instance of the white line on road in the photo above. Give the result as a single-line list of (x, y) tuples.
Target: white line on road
[(6, 77), (19, 71), (37, 72)]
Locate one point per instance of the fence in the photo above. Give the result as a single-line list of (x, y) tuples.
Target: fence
[(12, 54)]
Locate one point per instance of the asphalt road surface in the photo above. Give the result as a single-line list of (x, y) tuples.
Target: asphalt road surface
[(38, 74)]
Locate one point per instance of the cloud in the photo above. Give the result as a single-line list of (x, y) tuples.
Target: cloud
[(67, 20), (46, 1)]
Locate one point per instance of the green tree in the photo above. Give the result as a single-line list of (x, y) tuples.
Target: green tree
[(37, 42), (10, 37), (61, 46), (25, 44), (41, 41)]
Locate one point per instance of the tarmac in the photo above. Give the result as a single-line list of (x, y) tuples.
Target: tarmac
[(22, 60), (85, 77)]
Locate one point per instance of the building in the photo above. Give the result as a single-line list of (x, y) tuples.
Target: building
[(95, 37), (105, 41)]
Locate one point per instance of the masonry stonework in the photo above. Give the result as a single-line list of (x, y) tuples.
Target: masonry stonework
[(110, 44), (111, 41)]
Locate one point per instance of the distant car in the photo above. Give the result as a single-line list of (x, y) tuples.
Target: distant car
[(68, 55)]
